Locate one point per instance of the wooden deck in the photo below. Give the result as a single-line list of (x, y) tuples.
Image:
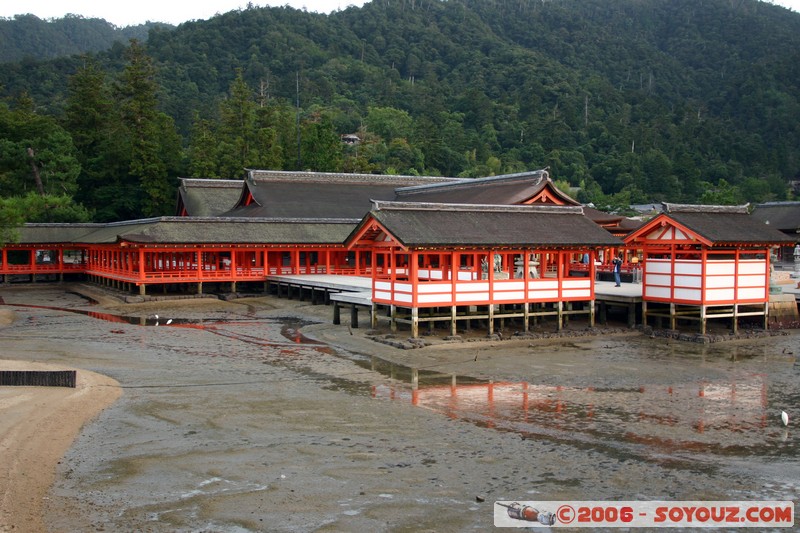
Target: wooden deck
[(356, 292)]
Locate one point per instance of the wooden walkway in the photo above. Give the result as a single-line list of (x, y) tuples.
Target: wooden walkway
[(356, 292)]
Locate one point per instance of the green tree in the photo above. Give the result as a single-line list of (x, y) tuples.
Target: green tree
[(149, 132), (202, 150), (389, 123), (321, 148), (50, 208), (10, 220), (35, 152), (237, 129), (723, 193), (94, 125)]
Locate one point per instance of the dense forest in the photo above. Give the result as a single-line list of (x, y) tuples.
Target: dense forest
[(630, 101), (28, 36)]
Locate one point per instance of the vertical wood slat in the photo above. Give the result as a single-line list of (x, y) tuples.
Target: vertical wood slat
[(38, 378)]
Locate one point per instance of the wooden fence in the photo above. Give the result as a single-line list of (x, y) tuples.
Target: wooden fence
[(38, 378)]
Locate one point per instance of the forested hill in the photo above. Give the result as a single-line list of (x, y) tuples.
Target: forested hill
[(27, 36), (633, 101)]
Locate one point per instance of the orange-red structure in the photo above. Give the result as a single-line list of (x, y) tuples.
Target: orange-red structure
[(436, 249), (448, 260), (181, 250), (703, 262)]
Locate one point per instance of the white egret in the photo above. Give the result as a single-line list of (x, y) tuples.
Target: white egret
[(785, 418)]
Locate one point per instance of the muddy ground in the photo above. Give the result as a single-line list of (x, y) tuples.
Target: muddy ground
[(259, 415)]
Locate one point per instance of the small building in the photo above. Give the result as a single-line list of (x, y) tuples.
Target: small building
[(446, 262), (702, 262)]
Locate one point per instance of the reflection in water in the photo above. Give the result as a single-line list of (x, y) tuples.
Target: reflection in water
[(721, 417)]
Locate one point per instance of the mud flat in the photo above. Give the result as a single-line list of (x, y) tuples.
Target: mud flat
[(259, 415)]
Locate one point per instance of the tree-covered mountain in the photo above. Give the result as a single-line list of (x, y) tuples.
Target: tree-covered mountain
[(631, 100), (27, 36)]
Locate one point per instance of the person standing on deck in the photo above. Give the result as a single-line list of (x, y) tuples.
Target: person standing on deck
[(617, 262)]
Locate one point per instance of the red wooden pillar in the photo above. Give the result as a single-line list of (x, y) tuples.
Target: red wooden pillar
[(704, 257), (395, 266), (672, 253), (455, 261), (295, 257), (141, 264), (233, 262), (413, 276), (374, 271)]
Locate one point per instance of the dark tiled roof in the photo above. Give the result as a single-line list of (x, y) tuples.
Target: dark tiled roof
[(783, 216), (280, 194), (509, 189), (417, 224), (208, 197), (194, 230), (729, 227), (55, 233)]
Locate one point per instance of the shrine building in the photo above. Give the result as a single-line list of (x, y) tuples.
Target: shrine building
[(479, 262), (433, 248), (705, 262)]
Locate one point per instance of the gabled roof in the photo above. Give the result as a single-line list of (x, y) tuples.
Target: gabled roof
[(193, 230), (783, 216), (207, 197), (414, 224), (280, 194), (712, 226), (508, 189)]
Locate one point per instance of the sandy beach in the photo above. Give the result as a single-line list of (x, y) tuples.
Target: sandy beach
[(38, 424), (260, 415)]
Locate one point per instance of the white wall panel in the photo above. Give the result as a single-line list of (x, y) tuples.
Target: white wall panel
[(687, 281)]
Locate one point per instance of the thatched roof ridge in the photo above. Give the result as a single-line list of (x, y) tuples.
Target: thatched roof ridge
[(397, 180), (694, 208), (507, 189), (476, 208), (460, 183)]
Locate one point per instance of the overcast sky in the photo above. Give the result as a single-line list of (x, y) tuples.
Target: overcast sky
[(130, 12)]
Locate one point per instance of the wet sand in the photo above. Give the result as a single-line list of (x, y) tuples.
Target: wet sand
[(231, 420)]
